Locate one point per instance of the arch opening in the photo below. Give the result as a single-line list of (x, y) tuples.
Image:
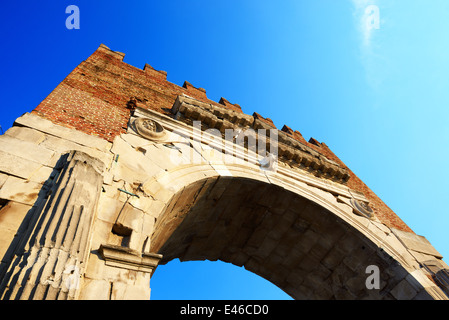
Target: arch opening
[(296, 244), (207, 280)]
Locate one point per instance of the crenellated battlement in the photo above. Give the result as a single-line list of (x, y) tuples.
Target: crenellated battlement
[(200, 94)]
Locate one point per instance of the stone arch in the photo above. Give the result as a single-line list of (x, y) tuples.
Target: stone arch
[(295, 230), (298, 237), (141, 173)]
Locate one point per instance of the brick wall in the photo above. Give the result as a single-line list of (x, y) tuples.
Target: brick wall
[(94, 98)]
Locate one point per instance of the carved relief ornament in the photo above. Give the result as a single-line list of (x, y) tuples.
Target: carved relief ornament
[(149, 129)]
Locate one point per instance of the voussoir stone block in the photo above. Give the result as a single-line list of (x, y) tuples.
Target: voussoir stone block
[(404, 291)]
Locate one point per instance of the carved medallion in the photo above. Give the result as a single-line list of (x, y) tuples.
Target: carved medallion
[(149, 129), (362, 208)]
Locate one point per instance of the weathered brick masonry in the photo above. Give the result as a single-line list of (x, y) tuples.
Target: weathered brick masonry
[(94, 98)]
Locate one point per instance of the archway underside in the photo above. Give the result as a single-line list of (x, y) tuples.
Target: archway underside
[(302, 248)]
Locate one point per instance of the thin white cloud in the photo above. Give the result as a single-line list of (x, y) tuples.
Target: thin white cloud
[(367, 18)]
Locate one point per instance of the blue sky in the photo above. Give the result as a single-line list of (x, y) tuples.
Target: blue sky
[(378, 97)]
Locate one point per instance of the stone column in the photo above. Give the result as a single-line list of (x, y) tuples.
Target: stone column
[(48, 260)]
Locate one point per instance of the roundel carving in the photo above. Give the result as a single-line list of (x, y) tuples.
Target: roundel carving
[(362, 208), (149, 129)]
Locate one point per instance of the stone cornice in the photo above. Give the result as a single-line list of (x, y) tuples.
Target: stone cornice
[(185, 130), (290, 150), (126, 258)]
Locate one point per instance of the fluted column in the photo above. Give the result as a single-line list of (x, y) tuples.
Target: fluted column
[(48, 260)]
